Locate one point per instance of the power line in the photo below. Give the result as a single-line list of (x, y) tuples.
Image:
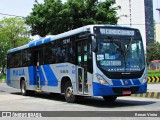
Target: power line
[(11, 15)]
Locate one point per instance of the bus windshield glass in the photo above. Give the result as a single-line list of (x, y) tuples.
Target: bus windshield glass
[(120, 55)]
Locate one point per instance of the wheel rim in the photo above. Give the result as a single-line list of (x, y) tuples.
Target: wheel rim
[(23, 88), (69, 92)]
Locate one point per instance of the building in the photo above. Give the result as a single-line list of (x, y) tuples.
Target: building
[(138, 14), (157, 32)]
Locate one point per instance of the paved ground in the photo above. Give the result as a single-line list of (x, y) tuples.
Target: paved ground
[(12, 100)]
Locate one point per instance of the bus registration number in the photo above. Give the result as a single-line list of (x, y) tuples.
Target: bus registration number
[(126, 92)]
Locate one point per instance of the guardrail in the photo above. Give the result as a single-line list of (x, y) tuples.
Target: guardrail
[(153, 79)]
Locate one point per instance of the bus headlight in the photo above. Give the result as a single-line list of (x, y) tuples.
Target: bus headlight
[(144, 80), (101, 79)]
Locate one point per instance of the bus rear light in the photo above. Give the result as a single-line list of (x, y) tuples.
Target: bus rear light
[(101, 79)]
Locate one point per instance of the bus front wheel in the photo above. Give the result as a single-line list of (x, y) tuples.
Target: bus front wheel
[(109, 98), (70, 98)]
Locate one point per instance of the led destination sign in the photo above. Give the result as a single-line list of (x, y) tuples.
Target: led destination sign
[(116, 32)]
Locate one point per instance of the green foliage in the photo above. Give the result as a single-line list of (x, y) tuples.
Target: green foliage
[(13, 33), (54, 17), (2, 78), (153, 52), (153, 72)]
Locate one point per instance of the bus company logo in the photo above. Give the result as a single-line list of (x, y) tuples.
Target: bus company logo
[(126, 82), (18, 72)]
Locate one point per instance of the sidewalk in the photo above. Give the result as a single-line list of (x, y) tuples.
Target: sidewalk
[(153, 87), (153, 91)]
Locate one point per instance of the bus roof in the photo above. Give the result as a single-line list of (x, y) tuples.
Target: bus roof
[(62, 35)]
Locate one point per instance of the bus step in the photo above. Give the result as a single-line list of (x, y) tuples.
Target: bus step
[(38, 90)]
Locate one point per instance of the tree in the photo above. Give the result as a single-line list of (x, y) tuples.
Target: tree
[(54, 17), (153, 52), (13, 33)]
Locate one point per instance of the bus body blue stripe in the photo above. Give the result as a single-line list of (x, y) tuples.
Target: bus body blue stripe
[(42, 79), (47, 40), (39, 42), (8, 77), (116, 82), (52, 80), (32, 75), (136, 81), (31, 44)]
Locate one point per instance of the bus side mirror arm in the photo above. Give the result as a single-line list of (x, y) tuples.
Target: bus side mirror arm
[(94, 43)]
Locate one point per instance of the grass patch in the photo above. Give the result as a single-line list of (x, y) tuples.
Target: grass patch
[(2, 78), (153, 72)]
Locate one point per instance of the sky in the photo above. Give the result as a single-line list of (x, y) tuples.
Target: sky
[(24, 7)]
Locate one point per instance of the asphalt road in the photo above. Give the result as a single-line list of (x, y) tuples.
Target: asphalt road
[(12, 100)]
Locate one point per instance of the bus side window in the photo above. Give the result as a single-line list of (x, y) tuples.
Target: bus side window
[(72, 50), (30, 58), (12, 60), (17, 61), (71, 55), (65, 52), (24, 58), (49, 53), (8, 60), (59, 55)]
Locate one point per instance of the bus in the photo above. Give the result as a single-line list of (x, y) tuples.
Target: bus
[(93, 60)]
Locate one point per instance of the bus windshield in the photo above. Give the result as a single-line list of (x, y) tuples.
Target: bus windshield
[(120, 55)]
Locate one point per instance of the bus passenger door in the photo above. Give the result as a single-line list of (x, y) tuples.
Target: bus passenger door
[(37, 64), (81, 61)]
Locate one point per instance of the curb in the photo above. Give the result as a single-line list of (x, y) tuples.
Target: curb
[(153, 79), (2, 81), (148, 95)]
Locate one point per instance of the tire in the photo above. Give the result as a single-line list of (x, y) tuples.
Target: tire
[(109, 99), (23, 88), (68, 91)]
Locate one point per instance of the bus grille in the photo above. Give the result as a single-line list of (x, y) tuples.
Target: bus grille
[(120, 90)]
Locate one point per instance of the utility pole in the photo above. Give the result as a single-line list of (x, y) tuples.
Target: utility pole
[(130, 12)]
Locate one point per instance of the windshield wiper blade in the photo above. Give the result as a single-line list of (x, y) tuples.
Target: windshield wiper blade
[(128, 48), (126, 52)]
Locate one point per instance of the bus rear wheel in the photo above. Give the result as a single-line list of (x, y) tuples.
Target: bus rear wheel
[(23, 88), (70, 98), (109, 98)]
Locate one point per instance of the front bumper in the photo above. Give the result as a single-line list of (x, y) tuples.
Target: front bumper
[(105, 90)]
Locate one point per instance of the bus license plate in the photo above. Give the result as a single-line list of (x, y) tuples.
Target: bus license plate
[(126, 92)]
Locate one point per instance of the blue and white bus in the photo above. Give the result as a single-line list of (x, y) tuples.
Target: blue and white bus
[(94, 60)]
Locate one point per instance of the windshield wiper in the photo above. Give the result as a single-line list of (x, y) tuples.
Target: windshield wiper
[(117, 44), (126, 52)]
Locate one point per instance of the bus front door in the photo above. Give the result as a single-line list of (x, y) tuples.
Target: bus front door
[(82, 81)]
